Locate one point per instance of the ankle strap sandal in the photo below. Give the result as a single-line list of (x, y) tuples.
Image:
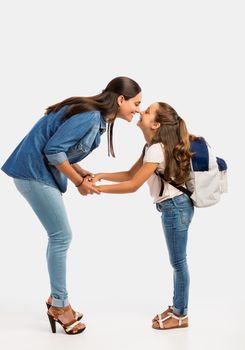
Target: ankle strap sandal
[(69, 327), (77, 315), (171, 315)]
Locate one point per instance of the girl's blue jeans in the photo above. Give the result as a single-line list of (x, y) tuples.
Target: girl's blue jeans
[(177, 214), (47, 203)]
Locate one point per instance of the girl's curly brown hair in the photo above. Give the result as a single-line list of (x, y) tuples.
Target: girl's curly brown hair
[(173, 134)]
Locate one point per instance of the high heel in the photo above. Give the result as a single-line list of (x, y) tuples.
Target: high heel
[(77, 315), (52, 323), (70, 327)]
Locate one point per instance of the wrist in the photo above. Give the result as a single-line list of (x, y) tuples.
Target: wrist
[(84, 173), (99, 176), (79, 183)]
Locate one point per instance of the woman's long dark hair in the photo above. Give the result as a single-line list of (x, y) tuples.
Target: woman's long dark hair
[(105, 102), (174, 135)]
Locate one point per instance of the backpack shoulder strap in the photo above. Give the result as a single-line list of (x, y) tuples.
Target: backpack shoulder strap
[(143, 150), (173, 183)]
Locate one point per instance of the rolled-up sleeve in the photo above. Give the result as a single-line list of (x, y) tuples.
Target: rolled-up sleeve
[(69, 134), (56, 158)]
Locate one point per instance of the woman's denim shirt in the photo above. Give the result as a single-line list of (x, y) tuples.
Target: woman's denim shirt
[(52, 141)]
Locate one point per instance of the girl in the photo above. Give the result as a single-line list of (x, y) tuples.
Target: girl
[(48, 155), (167, 151)]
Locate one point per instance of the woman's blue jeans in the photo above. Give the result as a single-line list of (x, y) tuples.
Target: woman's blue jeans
[(47, 203), (177, 214)]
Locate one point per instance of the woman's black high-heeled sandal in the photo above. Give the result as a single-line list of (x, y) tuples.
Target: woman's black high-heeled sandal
[(70, 327), (77, 315)]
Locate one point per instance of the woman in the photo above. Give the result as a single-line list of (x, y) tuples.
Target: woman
[(167, 151), (40, 165)]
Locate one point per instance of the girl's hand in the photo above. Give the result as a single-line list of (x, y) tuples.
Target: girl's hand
[(96, 177)]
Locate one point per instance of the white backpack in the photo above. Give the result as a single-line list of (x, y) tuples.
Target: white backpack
[(208, 176)]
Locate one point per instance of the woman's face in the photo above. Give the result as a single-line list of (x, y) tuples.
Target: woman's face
[(147, 117), (128, 108)]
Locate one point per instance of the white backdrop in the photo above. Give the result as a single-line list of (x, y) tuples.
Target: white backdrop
[(187, 53)]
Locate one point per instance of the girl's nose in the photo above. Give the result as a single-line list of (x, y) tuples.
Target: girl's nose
[(137, 109)]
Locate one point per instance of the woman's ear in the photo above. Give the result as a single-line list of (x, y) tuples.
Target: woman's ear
[(120, 100), (155, 125)]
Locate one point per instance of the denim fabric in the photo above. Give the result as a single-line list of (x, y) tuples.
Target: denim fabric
[(52, 141), (48, 205), (177, 214)]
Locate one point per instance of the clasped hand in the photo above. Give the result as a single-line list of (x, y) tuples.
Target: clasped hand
[(88, 186)]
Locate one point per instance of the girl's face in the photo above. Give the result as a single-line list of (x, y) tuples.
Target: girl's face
[(147, 118), (128, 108)]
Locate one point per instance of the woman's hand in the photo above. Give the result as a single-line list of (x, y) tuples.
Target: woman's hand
[(87, 187)]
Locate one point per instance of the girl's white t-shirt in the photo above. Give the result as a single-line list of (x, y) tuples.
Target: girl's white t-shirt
[(154, 154)]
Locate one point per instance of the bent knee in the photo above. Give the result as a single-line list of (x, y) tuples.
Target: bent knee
[(63, 237)]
